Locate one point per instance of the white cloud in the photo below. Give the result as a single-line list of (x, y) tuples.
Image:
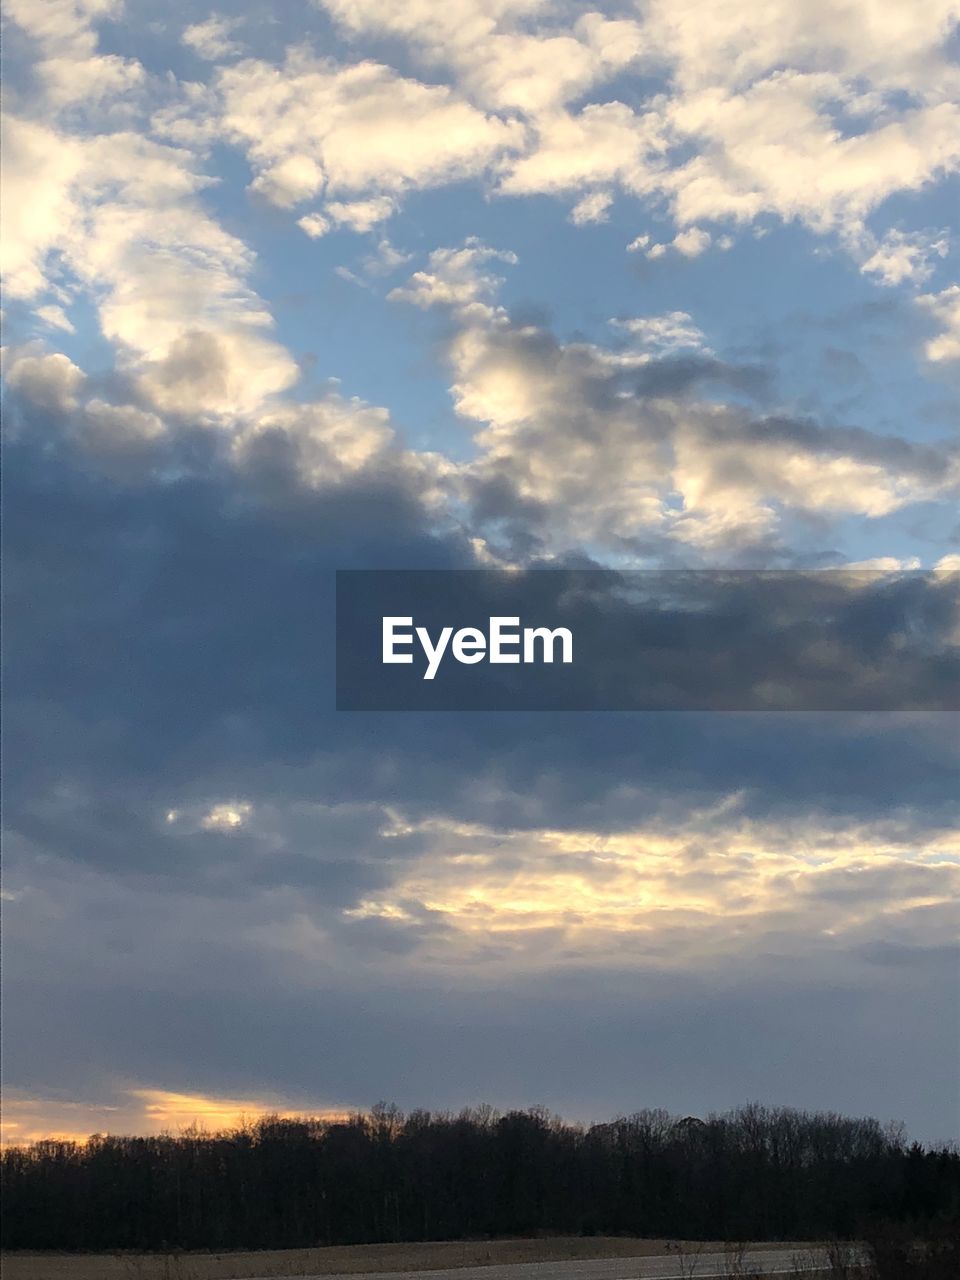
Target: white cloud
[(120, 218), (604, 143), (211, 39), (560, 426), (885, 564), (314, 224), (736, 43), (805, 113), (361, 215), (689, 244), (592, 208), (945, 309), (454, 277), (290, 181), (116, 214), (386, 259), (815, 112), (498, 60), (69, 70), (792, 107), (774, 148), (360, 129), (39, 170), (674, 331), (777, 127), (431, 24), (55, 317), (692, 242), (901, 256), (171, 282)]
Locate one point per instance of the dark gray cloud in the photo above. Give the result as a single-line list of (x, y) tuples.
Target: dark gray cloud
[(642, 640), (216, 882), (169, 650), (587, 1047), (187, 626)]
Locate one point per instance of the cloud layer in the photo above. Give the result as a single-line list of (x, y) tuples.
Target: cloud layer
[(493, 283)]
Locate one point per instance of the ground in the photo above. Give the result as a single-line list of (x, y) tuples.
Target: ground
[(336, 1260)]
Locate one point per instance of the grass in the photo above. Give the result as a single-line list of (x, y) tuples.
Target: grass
[(339, 1259)]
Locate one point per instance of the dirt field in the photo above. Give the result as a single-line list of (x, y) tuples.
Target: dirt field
[(356, 1259)]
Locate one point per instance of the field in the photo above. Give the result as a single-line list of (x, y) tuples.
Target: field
[(336, 1260)]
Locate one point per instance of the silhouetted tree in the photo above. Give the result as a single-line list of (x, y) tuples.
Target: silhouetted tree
[(755, 1173)]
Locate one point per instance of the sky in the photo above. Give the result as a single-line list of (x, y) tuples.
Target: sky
[(456, 284)]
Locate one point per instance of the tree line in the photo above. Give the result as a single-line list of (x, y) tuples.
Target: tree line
[(756, 1173)]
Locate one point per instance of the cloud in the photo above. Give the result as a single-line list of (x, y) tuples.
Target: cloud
[(672, 640), (770, 149), (321, 442), (314, 224), (592, 208), (35, 159), (692, 242), (49, 381), (636, 434), (360, 215), (799, 117), (793, 112), (55, 317), (662, 896), (138, 1111), (229, 816), (121, 221), (901, 256), (499, 63), (70, 73), (187, 612), (664, 334), (944, 307), (798, 114), (353, 129), (230, 371), (577, 443), (512, 888), (564, 919), (212, 39), (454, 277), (325, 441), (290, 181), (735, 44), (604, 143)]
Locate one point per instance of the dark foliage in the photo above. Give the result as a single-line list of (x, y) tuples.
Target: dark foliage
[(756, 1173), (896, 1253)]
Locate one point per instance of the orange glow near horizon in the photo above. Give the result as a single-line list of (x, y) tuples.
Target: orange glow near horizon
[(141, 1112)]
